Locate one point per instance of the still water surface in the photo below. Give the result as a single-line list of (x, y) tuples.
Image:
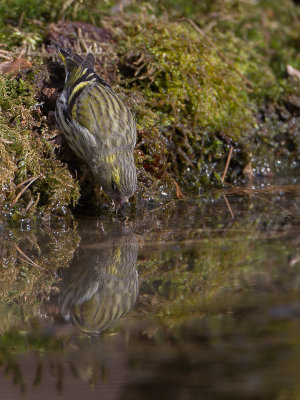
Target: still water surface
[(191, 299)]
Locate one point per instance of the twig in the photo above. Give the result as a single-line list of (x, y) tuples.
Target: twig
[(27, 180), (6, 141), (24, 189), (5, 57), (82, 41), (119, 7), (26, 257), (272, 189), (227, 163), (228, 205), (21, 19), (221, 54), (66, 4), (260, 197)]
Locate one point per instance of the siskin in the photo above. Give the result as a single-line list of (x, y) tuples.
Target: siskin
[(102, 283), (98, 127)]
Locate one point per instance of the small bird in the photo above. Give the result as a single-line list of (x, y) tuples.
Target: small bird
[(98, 127), (102, 282)]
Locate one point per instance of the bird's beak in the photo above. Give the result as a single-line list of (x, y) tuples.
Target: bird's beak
[(119, 204)]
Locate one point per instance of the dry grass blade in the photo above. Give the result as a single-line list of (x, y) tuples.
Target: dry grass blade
[(27, 180), (229, 206), (293, 190), (236, 190), (179, 193), (26, 257), (227, 163), (31, 180)]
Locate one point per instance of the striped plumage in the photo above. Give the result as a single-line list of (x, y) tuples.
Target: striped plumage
[(101, 285), (98, 127)]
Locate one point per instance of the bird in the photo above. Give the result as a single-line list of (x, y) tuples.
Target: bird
[(101, 284), (99, 128)]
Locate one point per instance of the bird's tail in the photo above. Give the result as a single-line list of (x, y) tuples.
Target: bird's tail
[(73, 60)]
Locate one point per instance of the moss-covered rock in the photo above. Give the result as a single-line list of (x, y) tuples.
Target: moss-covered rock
[(197, 87)]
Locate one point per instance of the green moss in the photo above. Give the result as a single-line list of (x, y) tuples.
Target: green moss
[(184, 81), (271, 28), (201, 92), (195, 93), (27, 155), (23, 21), (51, 10), (182, 90)]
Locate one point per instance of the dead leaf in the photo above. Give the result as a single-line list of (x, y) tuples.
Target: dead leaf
[(15, 65), (179, 193)]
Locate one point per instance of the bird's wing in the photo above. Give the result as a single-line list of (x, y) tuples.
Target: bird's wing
[(98, 109)]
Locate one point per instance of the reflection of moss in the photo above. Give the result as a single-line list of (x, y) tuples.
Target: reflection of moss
[(193, 275), (29, 261)]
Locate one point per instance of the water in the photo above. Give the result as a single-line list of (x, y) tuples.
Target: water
[(189, 299)]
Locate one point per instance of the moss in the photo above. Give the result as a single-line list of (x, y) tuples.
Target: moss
[(271, 28), (182, 83), (23, 22), (30, 259), (191, 104), (28, 156), (189, 89), (182, 80)]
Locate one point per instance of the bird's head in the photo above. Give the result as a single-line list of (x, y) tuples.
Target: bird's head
[(117, 176)]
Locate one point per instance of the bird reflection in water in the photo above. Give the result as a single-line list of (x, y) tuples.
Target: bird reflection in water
[(102, 283)]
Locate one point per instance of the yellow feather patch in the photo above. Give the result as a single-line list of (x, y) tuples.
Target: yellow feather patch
[(76, 89), (117, 256), (110, 159), (62, 57), (116, 175), (80, 72), (74, 108), (113, 270)]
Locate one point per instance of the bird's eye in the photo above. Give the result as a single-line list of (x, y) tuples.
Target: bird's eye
[(113, 185)]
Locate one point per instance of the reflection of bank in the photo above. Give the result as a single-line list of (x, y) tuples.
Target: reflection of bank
[(102, 283)]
